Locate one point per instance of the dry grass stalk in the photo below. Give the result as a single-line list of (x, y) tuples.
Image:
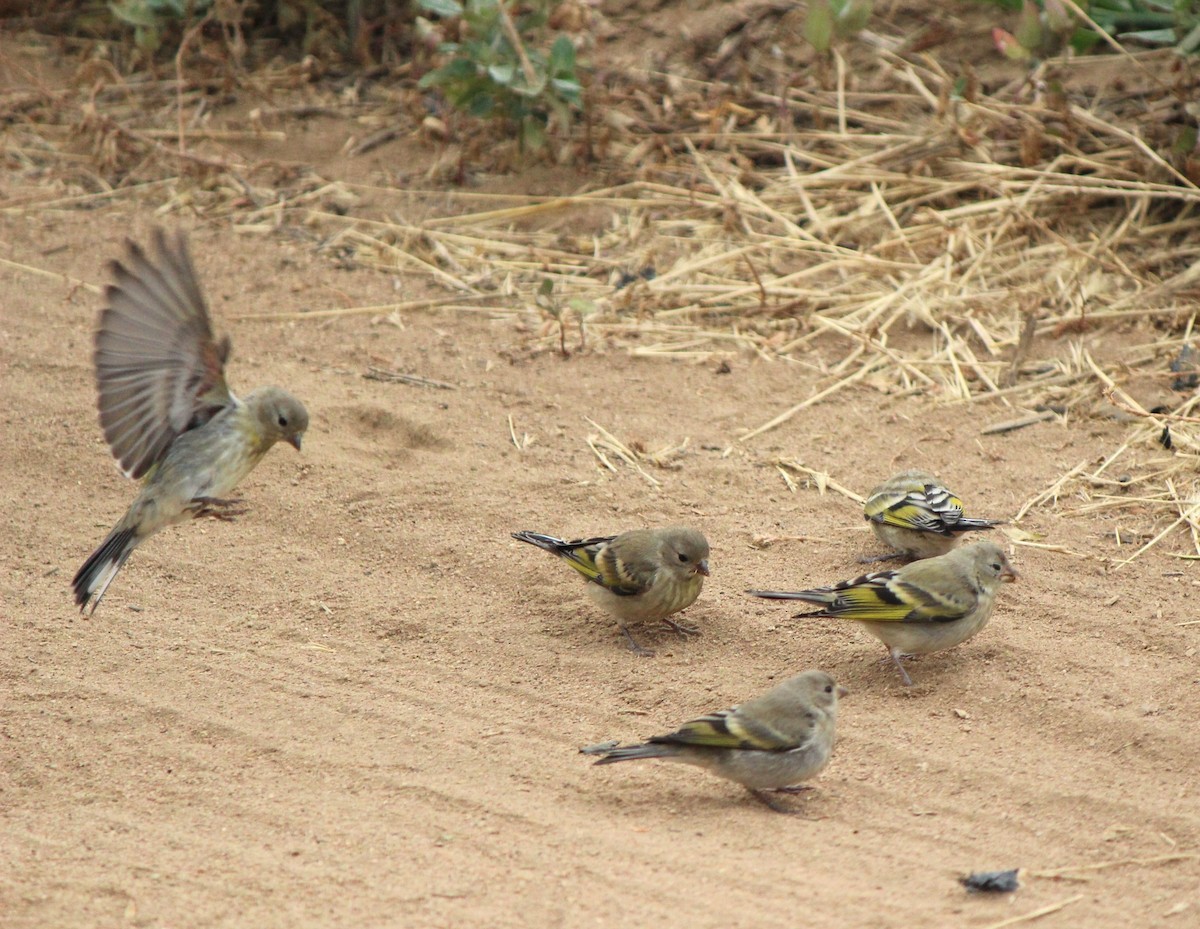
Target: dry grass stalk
[(604, 441), (1036, 914), (898, 237)]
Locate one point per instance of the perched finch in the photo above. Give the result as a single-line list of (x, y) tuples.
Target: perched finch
[(924, 607), (166, 410), (770, 743), (914, 514), (638, 576)]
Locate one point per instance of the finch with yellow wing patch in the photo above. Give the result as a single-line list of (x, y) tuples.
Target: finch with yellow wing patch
[(166, 411), (771, 743), (913, 513), (924, 607), (639, 576)]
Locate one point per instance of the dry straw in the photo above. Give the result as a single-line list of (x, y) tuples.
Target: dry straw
[(894, 224)]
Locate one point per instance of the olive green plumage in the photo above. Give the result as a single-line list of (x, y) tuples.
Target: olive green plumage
[(770, 743), (644, 575), (914, 514), (923, 607)]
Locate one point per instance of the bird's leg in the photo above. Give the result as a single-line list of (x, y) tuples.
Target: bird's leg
[(216, 507), (895, 654), (634, 647), (875, 559), (683, 630), (762, 797), (794, 789)]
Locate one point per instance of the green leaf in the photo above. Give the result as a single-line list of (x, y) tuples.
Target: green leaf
[(562, 57), (1185, 144), (853, 17), (479, 103), (1151, 36), (533, 135), (1084, 40), (502, 74), (447, 9), (583, 306), (1029, 26), (135, 14), (571, 91), (452, 72), (818, 27)]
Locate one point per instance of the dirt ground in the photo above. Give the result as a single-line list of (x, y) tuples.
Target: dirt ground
[(361, 704)]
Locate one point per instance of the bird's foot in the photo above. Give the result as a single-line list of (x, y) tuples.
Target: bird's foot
[(894, 658), (218, 508), (763, 797), (794, 789), (639, 650), (683, 630), (875, 559)]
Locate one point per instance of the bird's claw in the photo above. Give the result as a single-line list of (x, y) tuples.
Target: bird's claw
[(875, 559), (763, 797), (683, 630), (639, 650), (218, 508)]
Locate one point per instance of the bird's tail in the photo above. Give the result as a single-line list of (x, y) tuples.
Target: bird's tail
[(102, 566), (967, 525), (546, 542), (812, 596), (637, 752)]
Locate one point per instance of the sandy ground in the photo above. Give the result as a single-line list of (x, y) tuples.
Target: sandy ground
[(361, 704)]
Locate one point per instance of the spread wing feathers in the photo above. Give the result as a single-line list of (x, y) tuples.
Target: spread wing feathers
[(744, 727), (158, 368), (885, 597), (926, 508)]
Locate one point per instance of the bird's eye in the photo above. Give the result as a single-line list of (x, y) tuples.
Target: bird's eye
[(996, 567), (282, 421), (683, 557), (828, 688)]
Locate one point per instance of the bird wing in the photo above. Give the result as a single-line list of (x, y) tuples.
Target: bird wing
[(892, 596), (159, 369), (927, 508), (626, 567), (737, 727)]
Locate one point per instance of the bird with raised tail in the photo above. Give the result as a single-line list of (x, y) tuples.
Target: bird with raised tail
[(644, 575), (926, 606), (772, 743), (166, 411), (913, 513)]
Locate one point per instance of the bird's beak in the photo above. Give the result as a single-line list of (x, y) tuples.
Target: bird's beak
[(294, 440), (842, 692), (702, 567), (1009, 574)]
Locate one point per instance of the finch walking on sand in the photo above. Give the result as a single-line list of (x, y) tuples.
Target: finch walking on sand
[(639, 576), (770, 743), (166, 410), (924, 607), (913, 513)]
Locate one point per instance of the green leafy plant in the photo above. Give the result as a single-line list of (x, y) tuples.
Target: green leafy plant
[(150, 18), (1046, 25), (496, 69), (835, 19)]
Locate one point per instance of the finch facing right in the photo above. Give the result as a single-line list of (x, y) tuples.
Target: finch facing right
[(926, 606), (637, 576), (913, 513), (167, 413), (771, 743)]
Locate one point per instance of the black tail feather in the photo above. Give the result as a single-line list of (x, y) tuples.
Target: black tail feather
[(105, 560)]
